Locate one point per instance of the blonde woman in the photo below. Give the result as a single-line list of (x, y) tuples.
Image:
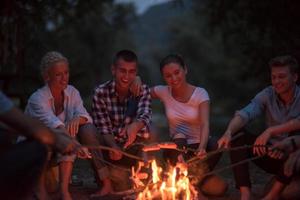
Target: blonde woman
[(59, 106)]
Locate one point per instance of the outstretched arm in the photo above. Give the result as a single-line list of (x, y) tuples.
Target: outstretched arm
[(234, 126), (286, 127), (27, 126), (33, 128)]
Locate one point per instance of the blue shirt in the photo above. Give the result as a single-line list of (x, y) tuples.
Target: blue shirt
[(5, 103), (267, 102)]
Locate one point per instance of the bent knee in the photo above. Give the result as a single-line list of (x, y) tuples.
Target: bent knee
[(214, 186)]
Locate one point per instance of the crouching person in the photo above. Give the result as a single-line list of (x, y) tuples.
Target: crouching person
[(290, 148), (280, 104), (22, 163), (59, 106), (109, 111)]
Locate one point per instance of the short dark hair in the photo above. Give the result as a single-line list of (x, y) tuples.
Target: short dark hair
[(286, 60), (172, 58), (126, 55)]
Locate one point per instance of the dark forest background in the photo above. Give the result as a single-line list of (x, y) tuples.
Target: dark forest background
[(226, 44)]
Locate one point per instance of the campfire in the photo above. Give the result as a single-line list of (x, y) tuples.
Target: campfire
[(171, 184)]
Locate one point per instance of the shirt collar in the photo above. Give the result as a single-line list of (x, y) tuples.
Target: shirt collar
[(49, 94), (296, 94), (113, 91)]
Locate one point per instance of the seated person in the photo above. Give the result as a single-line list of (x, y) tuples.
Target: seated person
[(289, 147), (109, 109), (22, 163), (280, 103), (59, 106), (187, 111)]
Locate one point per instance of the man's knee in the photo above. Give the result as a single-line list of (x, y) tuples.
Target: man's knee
[(120, 179), (214, 186), (88, 134)]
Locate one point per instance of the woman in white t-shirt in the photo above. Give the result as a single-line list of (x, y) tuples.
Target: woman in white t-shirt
[(186, 108), (187, 111)]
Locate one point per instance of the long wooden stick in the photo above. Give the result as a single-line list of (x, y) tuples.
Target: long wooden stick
[(231, 166), (209, 154), (101, 147)]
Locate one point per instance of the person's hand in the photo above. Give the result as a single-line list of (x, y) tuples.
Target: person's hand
[(279, 149), (224, 141), (73, 126), (84, 153), (63, 143), (131, 131), (201, 153), (115, 154), (276, 153), (261, 141), (123, 132), (284, 145), (292, 164), (136, 86)]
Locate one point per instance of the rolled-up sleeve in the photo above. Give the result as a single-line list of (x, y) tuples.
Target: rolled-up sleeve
[(144, 111), (41, 109), (100, 114), (254, 109)]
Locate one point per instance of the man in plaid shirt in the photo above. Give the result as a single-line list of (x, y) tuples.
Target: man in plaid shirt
[(111, 113)]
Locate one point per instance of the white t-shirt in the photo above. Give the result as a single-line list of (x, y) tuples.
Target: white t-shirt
[(184, 118)]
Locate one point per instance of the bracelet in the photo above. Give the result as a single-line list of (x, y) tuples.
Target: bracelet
[(294, 145)]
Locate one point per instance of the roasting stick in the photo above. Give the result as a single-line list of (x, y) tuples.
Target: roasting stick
[(170, 145), (209, 154), (231, 166), (146, 148), (101, 147)]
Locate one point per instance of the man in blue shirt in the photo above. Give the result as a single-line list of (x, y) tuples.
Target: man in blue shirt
[(280, 103), (22, 163)]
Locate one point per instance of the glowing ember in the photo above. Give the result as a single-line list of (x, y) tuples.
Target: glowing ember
[(171, 185)]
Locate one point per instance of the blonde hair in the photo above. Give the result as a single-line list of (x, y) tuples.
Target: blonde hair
[(49, 59)]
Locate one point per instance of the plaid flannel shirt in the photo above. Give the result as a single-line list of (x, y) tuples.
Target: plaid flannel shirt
[(108, 111)]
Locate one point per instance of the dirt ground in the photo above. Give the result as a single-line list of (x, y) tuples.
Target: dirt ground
[(83, 172)]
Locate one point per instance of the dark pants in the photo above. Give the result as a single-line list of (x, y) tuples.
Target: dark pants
[(87, 135), (120, 172), (241, 172), (172, 155), (20, 167)]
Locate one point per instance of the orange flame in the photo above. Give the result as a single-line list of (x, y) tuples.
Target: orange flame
[(171, 185)]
